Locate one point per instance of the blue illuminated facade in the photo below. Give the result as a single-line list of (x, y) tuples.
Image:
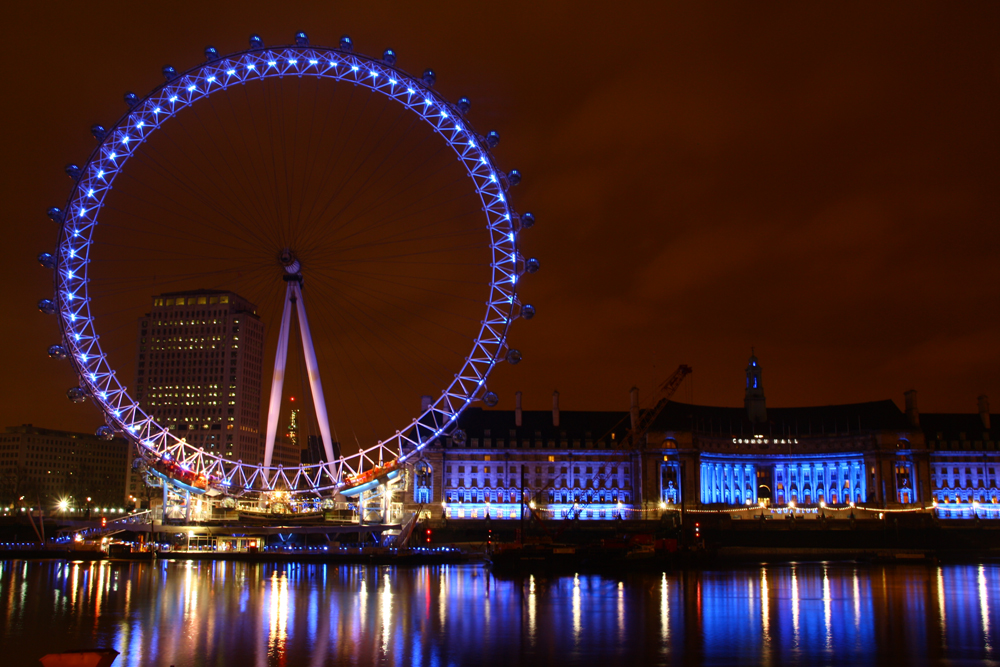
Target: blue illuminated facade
[(809, 479), (872, 456)]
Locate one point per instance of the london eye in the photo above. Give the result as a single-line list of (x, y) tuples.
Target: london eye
[(326, 191)]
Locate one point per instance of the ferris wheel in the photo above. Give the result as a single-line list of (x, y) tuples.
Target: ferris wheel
[(312, 184)]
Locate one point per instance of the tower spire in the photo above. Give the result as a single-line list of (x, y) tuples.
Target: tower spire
[(754, 401)]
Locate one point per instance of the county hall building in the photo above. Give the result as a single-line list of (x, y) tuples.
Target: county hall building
[(569, 464)]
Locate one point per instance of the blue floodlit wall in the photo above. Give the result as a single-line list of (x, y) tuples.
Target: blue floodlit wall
[(594, 512), (965, 484), (832, 478)]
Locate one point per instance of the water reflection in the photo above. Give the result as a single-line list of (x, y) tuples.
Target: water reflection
[(233, 613)]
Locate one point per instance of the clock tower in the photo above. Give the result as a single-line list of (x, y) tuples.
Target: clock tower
[(753, 400)]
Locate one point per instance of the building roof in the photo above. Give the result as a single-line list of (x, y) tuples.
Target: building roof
[(959, 426), (820, 420), (200, 291), (812, 420), (572, 423)]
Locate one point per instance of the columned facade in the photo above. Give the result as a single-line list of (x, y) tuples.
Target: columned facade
[(571, 465)]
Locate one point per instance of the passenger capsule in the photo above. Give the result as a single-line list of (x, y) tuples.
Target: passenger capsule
[(301, 39), (527, 311), (514, 177), (76, 394), (211, 53), (105, 432), (464, 105), (73, 171), (55, 214), (531, 265), (47, 306), (58, 352), (389, 57), (492, 139), (47, 260), (346, 44), (256, 42), (458, 437), (491, 399), (527, 220), (429, 78), (513, 357), (169, 73), (131, 99), (99, 132)]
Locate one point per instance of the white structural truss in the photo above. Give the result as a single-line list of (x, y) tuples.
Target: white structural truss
[(293, 295)]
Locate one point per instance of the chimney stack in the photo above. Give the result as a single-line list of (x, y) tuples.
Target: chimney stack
[(555, 408), (984, 410), (425, 403), (517, 408), (912, 413), (634, 407)]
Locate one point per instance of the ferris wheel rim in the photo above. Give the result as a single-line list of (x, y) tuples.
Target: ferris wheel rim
[(184, 89)]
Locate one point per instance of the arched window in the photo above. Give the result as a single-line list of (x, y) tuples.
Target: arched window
[(422, 477)]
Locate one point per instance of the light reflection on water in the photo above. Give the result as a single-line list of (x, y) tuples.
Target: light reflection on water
[(190, 613)]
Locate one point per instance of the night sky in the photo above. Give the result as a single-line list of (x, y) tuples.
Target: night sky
[(818, 182)]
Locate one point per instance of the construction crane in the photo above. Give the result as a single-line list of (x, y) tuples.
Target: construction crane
[(662, 396), (642, 421), (620, 448)]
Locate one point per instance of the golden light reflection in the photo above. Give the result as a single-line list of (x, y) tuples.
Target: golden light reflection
[(75, 586), (765, 612), (857, 601), (984, 609), (443, 596), (941, 607), (363, 602), (531, 607), (278, 614), (190, 593), (576, 608), (99, 598), (385, 611), (664, 608)]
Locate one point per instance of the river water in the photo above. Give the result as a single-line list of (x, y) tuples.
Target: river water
[(190, 613)]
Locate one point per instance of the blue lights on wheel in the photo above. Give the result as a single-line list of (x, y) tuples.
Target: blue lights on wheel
[(94, 180)]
